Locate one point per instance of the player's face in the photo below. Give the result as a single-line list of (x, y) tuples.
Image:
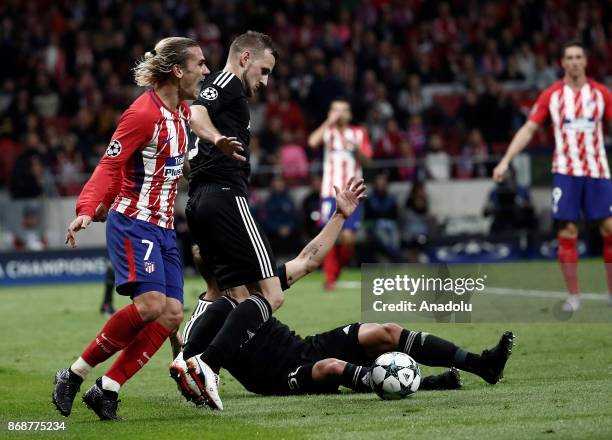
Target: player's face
[(574, 61), (194, 71), (342, 110), (257, 72)]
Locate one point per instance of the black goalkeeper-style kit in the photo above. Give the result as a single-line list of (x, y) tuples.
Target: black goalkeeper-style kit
[(231, 241)]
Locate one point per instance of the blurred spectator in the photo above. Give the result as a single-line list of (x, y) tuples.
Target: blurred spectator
[(27, 178), (381, 218), (544, 75), (311, 208), (293, 160), (416, 222), (411, 100), (416, 135), (437, 161), (510, 206), (474, 156), (279, 217), (29, 234)]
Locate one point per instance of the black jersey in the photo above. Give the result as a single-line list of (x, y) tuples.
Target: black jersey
[(223, 96), (274, 349)]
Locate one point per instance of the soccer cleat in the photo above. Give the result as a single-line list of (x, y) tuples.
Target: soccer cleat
[(104, 403), (207, 381), (185, 382), (449, 380), (571, 304), (494, 360), (66, 387)]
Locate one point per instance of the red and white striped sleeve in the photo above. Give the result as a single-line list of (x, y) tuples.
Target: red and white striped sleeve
[(135, 128), (540, 111), (365, 147)]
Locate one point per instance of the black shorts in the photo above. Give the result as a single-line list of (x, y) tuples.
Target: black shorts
[(230, 239), (296, 376)]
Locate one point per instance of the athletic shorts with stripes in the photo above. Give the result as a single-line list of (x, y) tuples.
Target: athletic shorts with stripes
[(230, 239)]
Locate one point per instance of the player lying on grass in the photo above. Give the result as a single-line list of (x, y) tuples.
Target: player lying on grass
[(275, 361)]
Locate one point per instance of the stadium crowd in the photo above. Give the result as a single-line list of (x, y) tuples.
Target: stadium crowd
[(66, 76)]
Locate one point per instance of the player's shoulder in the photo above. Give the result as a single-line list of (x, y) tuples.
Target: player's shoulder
[(144, 109), (557, 85), (222, 82), (598, 86)]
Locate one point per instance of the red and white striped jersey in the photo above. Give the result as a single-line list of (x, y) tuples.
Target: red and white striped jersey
[(577, 123), (339, 156), (140, 172)]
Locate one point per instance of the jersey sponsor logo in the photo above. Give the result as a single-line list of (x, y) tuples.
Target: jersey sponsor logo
[(209, 93), (174, 166), (579, 124), (149, 267), (114, 148)]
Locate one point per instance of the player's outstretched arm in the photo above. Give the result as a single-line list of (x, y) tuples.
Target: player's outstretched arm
[(311, 257), (520, 140), (203, 127)]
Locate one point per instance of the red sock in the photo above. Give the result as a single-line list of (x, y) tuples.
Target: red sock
[(346, 252), (607, 257), (138, 353), (568, 257), (117, 333), (330, 265)]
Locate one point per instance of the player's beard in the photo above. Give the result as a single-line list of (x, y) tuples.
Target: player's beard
[(247, 87)]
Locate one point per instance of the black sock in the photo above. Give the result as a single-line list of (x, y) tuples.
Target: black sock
[(356, 378), (241, 324), (206, 326), (73, 377), (436, 352)]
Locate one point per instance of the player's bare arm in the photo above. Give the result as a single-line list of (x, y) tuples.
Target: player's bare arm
[(203, 127), (311, 257), (316, 137), (520, 140)]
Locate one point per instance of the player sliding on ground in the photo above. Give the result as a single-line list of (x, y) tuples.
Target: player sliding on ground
[(138, 175), (577, 107), (277, 361)]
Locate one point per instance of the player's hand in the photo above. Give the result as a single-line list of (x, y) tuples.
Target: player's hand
[(348, 200), (500, 171), (81, 222), (101, 213), (230, 146)]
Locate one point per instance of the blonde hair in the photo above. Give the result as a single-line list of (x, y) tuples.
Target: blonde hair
[(155, 67)]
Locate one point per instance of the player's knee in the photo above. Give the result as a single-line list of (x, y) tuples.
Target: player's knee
[(150, 307), (276, 299), (568, 230), (389, 335), (327, 368)]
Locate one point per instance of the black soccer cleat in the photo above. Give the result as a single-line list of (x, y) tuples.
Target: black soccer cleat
[(449, 380), (67, 385), (104, 403), (494, 360)]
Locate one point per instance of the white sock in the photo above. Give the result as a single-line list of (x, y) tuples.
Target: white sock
[(81, 368), (109, 384)]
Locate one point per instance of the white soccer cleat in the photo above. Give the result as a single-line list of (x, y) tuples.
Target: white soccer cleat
[(207, 381), (185, 382), (571, 304)]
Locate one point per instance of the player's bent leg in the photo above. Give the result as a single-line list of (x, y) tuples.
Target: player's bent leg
[(568, 260)]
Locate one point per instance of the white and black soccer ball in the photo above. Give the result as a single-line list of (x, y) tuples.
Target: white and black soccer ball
[(394, 376)]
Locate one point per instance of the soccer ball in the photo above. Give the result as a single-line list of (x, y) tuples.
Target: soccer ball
[(394, 376)]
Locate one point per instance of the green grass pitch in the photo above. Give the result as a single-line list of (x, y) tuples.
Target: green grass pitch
[(558, 382)]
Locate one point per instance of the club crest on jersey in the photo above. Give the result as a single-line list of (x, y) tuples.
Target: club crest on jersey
[(149, 266), (114, 148), (209, 93)]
